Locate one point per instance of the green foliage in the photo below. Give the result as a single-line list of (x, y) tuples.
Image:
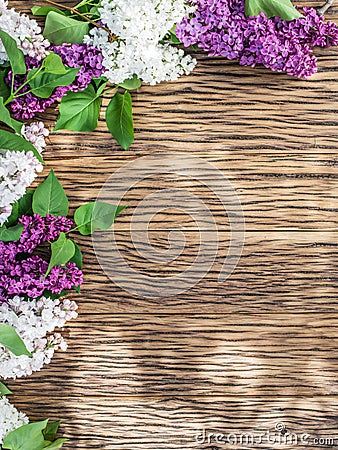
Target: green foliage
[(50, 198), (77, 258), (12, 219), (34, 436), (56, 445), (11, 234), (4, 390), (43, 83), (25, 204), (90, 8), (5, 91), (272, 8), (119, 118), (63, 251), (96, 216), (15, 55), (79, 111), (53, 64), (50, 431), (44, 10), (7, 119), (10, 339), (27, 437), (131, 84), (60, 28), (10, 141), (22, 207)]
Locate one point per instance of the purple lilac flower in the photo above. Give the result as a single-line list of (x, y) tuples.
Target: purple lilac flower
[(23, 273), (221, 28), (72, 55)]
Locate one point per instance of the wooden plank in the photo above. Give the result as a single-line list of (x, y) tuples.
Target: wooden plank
[(277, 272), (243, 356), (297, 193), (137, 423)]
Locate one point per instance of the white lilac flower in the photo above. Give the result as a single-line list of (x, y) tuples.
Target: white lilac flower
[(18, 170), (140, 26), (35, 321), (10, 418), (36, 134), (24, 30)]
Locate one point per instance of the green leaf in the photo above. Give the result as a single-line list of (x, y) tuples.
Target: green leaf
[(272, 8), (44, 10), (6, 118), (25, 204), (62, 251), (10, 339), (173, 37), (60, 29), (77, 258), (10, 141), (27, 437), (53, 64), (50, 431), (119, 118), (55, 445), (99, 84), (79, 111), (5, 91), (96, 216), (22, 207), (12, 219), (77, 289), (15, 55), (43, 84), (50, 198), (11, 234), (4, 390), (131, 84)]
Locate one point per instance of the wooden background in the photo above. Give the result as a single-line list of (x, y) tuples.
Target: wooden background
[(239, 357)]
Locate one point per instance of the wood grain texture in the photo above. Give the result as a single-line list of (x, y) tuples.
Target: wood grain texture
[(277, 272), (275, 192), (259, 349), (264, 355), (154, 423)]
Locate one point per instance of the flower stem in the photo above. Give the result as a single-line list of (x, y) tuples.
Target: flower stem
[(112, 37), (15, 94), (325, 7)]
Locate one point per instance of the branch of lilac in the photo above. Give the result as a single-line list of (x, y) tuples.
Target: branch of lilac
[(322, 10)]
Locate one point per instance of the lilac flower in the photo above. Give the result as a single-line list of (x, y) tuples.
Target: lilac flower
[(81, 55), (73, 56), (23, 273), (221, 28)]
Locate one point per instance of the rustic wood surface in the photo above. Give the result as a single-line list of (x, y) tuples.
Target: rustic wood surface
[(237, 357)]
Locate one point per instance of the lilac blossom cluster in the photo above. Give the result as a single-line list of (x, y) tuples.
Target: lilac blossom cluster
[(88, 58), (23, 273), (36, 133), (10, 418), (221, 28), (17, 171), (24, 30), (35, 321)]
